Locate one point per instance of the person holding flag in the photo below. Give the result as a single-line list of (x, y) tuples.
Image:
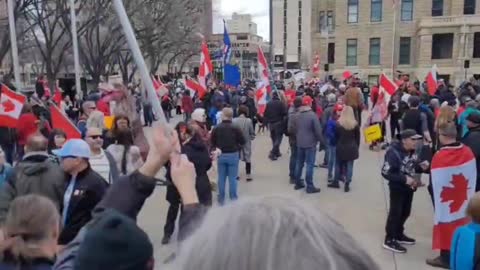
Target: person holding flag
[(454, 179)]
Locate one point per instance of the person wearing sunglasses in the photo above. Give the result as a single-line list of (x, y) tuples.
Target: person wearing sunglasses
[(101, 161), (84, 188)]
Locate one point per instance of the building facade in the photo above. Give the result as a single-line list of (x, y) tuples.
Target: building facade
[(292, 33), (374, 36), (241, 23)]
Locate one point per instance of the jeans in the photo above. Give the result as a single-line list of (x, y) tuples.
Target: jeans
[(394, 127), (346, 167), (227, 167), (400, 208), (332, 154), (148, 115), (305, 156), (293, 161), (276, 134), (327, 154)]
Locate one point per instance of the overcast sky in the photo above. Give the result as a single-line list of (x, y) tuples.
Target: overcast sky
[(223, 9)]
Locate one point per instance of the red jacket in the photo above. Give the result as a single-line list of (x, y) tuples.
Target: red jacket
[(27, 125), (187, 104)]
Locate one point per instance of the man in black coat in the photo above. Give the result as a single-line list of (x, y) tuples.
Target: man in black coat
[(472, 139), (275, 115)]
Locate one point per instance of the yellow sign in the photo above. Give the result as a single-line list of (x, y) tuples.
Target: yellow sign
[(372, 133), (108, 120)]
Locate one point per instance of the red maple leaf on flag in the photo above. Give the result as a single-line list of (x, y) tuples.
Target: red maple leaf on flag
[(8, 106), (457, 194)]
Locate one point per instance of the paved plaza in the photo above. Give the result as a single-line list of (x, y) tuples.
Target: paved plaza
[(362, 211)]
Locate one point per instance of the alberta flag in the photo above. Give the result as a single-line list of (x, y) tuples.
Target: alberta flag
[(454, 176), (231, 73)]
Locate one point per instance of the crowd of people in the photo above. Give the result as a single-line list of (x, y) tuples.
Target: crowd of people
[(72, 203)]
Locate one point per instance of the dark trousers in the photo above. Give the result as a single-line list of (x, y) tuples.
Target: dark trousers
[(248, 168), (400, 208), (148, 115), (172, 214), (394, 127), (179, 110), (9, 151), (276, 134), (293, 161)]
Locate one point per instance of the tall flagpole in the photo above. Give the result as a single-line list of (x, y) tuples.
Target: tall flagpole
[(76, 57), (137, 55), (13, 41), (394, 35)]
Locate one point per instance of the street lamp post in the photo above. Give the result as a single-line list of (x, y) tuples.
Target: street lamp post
[(76, 57), (13, 41)]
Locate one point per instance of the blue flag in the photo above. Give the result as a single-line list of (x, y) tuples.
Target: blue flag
[(231, 73), (227, 47)]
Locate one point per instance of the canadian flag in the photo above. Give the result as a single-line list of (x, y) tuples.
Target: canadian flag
[(60, 121), (454, 176), (206, 67), (159, 86), (194, 86), (262, 98), (11, 104), (388, 85), (432, 80), (263, 70)]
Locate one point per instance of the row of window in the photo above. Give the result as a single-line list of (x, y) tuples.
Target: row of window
[(442, 48), (406, 10)]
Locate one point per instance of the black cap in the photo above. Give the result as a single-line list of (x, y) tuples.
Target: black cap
[(114, 241), (474, 118), (410, 134), (414, 101)]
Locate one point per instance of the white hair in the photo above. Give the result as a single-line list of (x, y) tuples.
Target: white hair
[(96, 120), (435, 102), (271, 233), (331, 97)]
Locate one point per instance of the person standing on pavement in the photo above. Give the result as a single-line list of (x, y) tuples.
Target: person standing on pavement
[(292, 139), (275, 115), (229, 140), (415, 119), (187, 106), (308, 133), (326, 116), (85, 188), (451, 162), (399, 170), (472, 140), (245, 125), (347, 134)]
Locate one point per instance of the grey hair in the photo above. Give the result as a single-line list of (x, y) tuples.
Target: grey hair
[(271, 233), (96, 119), (331, 98), (435, 102)]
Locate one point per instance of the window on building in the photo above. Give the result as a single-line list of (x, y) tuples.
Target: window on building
[(437, 7), (330, 21), (407, 10), (405, 47), (476, 45), (352, 11), (374, 57), (321, 23), (442, 46), (242, 37), (469, 7), (351, 52), (376, 11), (372, 80), (331, 53)]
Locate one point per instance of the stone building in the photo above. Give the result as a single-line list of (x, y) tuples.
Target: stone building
[(362, 36)]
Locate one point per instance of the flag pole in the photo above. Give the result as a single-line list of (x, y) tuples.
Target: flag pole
[(13, 41), (76, 56), (137, 55), (394, 35)]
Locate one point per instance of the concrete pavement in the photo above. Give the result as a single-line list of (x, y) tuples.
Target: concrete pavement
[(362, 211)]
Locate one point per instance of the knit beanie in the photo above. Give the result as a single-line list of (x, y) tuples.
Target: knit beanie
[(114, 242)]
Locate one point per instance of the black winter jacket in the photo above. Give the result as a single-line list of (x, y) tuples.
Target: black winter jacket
[(398, 164), (472, 140), (275, 111)]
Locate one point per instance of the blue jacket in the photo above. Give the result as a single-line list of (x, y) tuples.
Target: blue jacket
[(465, 243), (330, 132), (5, 172), (462, 120)]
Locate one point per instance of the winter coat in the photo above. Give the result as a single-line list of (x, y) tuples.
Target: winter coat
[(246, 126), (348, 142), (36, 264), (187, 104), (227, 137), (36, 173), (275, 111), (472, 140), (307, 128), (5, 173), (330, 132), (398, 164)]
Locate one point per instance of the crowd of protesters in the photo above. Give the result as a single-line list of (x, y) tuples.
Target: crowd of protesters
[(73, 203)]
